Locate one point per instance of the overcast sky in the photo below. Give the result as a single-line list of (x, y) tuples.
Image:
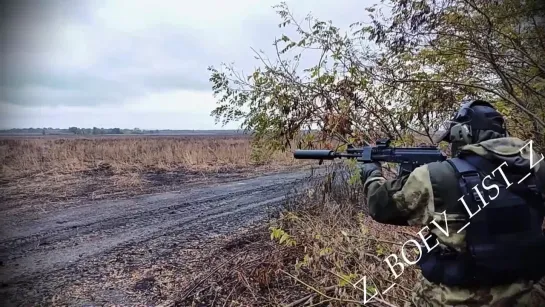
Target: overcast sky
[(134, 63)]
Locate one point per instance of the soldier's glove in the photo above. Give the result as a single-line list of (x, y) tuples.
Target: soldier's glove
[(369, 170)]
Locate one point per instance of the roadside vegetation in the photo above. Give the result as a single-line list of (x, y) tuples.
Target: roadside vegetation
[(400, 74), (312, 254)]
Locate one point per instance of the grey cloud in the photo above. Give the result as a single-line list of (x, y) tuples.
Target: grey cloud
[(129, 64), (174, 62), (24, 19), (78, 89)]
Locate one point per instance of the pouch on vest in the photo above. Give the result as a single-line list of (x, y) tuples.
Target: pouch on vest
[(446, 267), (504, 237)]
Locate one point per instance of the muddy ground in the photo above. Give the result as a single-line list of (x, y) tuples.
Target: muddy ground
[(43, 191), (139, 250)]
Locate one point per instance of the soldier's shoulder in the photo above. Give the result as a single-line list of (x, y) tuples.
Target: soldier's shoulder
[(433, 169), (441, 171), (444, 166), (505, 146)]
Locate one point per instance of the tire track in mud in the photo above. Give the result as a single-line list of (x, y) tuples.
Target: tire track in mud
[(122, 222), (45, 245)]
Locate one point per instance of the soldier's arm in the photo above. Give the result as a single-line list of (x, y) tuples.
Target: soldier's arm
[(538, 169), (407, 200), (540, 174)]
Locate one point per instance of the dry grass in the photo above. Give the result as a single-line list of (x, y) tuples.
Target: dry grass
[(340, 245), (52, 169), (327, 245), (336, 244), (239, 269), (28, 157)]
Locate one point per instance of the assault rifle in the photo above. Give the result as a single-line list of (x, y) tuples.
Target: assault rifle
[(408, 158)]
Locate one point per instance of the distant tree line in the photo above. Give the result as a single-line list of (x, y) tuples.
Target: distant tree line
[(107, 131), (100, 131), (78, 131)]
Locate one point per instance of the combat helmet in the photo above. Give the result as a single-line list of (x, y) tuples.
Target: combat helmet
[(472, 117)]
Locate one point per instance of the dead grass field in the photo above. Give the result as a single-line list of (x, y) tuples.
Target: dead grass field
[(335, 242), (313, 254), (321, 244), (55, 168)]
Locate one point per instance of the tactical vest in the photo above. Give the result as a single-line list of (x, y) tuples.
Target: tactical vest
[(505, 241)]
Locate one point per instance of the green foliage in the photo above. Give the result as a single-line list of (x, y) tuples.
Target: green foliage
[(261, 153), (348, 279), (471, 48), (337, 247), (282, 236), (371, 290), (352, 167), (399, 76), (336, 96)]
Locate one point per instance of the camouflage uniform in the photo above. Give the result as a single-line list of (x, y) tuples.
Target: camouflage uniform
[(422, 196)]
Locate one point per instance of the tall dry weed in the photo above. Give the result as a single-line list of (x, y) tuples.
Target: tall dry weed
[(26, 157), (39, 170), (339, 244)]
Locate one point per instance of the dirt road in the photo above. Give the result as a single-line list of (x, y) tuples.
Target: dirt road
[(42, 251)]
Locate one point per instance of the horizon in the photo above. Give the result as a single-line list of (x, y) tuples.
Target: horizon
[(153, 129), (136, 64)]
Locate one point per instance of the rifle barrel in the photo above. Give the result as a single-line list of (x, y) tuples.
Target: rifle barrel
[(408, 157), (321, 154)]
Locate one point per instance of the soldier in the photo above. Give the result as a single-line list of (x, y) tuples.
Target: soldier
[(499, 258)]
